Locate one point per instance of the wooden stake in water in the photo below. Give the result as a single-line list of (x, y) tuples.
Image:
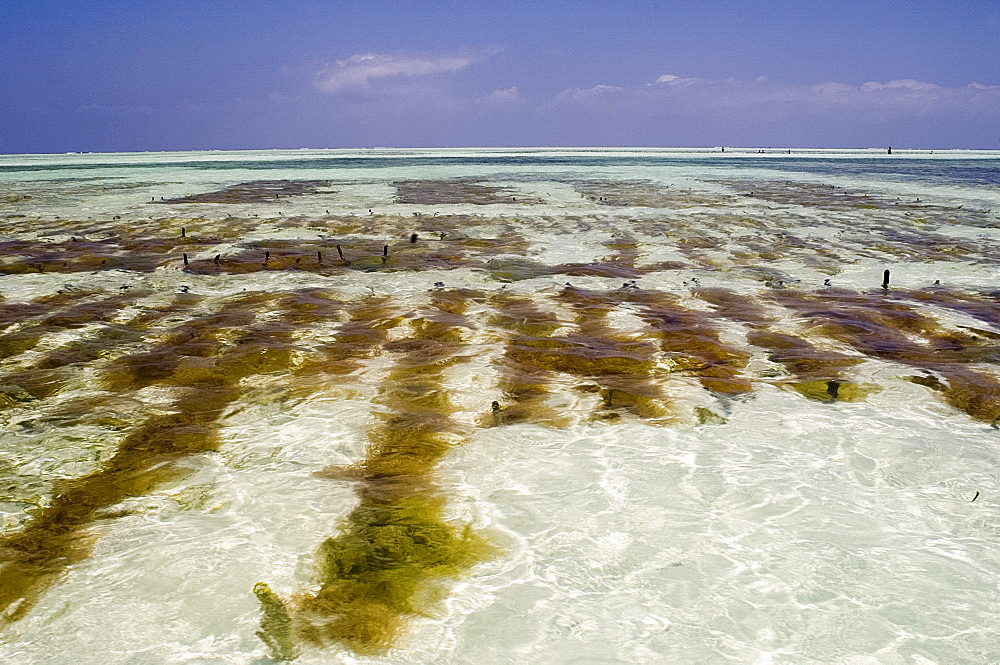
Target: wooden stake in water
[(385, 253), (185, 259), (341, 253), (183, 231), (885, 280)]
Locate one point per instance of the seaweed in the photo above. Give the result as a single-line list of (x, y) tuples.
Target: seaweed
[(257, 191), (819, 373), (880, 325), (393, 553), (525, 385), (445, 192), (692, 342), (149, 455)]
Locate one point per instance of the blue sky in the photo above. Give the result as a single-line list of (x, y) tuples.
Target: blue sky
[(144, 75)]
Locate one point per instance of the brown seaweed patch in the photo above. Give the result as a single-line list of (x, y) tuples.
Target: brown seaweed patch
[(256, 191), (76, 316), (323, 257), (515, 269), (526, 387), (458, 191), (133, 251), (814, 368), (983, 306), (616, 269), (619, 368), (814, 194), (200, 337), (395, 551), (880, 326), (147, 457), (692, 342), (359, 338), (976, 394), (638, 193), (624, 367)]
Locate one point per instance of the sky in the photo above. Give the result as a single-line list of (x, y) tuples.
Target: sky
[(185, 75)]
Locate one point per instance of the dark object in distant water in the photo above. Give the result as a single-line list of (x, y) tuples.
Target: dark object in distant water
[(937, 282), (218, 257), (339, 251), (413, 237), (885, 280), (890, 150), (385, 253), (975, 497), (73, 238), (319, 257), (185, 259), (826, 282), (183, 231)]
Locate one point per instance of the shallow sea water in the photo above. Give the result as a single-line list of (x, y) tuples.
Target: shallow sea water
[(666, 387)]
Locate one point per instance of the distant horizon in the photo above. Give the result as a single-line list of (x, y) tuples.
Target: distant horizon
[(734, 149)]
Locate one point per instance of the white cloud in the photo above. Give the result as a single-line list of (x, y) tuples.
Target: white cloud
[(677, 93), (900, 84), (588, 94), (361, 68), (509, 95), (673, 79)]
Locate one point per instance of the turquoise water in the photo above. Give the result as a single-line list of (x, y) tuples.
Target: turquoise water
[(716, 437)]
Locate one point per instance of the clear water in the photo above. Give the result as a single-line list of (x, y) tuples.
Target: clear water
[(754, 526)]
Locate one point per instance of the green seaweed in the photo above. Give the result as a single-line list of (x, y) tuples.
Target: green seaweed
[(390, 560), (831, 390), (393, 554), (276, 624), (149, 455)]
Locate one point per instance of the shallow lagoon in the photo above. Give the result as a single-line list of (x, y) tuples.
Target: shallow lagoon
[(606, 406)]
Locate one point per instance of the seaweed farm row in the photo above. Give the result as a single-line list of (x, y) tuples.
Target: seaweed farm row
[(533, 416)]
